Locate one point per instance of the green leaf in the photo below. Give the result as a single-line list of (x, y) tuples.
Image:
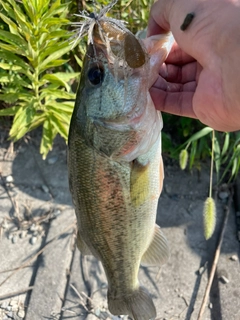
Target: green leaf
[(49, 22), (54, 79), (57, 94), (21, 132), (41, 6), (60, 78), (59, 126), (192, 153), (12, 39), (48, 135), (7, 66), (21, 20), (31, 121), (12, 48), (4, 77), (232, 163), (53, 64), (226, 143), (67, 76), (236, 161), (56, 9), (60, 115), (9, 111), (234, 166), (79, 61), (20, 121), (58, 35), (217, 155), (9, 97), (54, 56), (61, 107), (23, 118), (30, 10), (32, 55), (12, 26), (37, 121), (11, 57), (199, 134), (49, 47), (8, 9)]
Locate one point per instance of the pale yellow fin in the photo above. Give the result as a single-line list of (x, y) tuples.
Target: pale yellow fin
[(138, 305), (82, 247), (139, 183), (161, 174), (158, 252)]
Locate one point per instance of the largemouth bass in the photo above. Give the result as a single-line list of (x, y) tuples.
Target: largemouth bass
[(115, 164)]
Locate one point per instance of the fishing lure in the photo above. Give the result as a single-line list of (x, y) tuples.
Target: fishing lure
[(127, 47)]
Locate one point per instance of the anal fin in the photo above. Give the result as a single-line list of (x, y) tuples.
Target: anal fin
[(158, 252)]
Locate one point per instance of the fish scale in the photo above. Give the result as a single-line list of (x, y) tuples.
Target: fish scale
[(107, 227)]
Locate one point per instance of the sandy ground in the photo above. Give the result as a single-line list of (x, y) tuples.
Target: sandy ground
[(43, 275)]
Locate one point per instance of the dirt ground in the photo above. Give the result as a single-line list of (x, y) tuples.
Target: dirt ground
[(43, 275)]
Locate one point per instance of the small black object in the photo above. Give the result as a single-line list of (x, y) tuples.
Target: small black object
[(96, 75), (188, 19), (92, 15)]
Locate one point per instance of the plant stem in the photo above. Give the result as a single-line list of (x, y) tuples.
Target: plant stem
[(211, 170), (216, 258)]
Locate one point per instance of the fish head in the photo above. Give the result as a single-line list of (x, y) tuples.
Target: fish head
[(111, 90), (112, 108)]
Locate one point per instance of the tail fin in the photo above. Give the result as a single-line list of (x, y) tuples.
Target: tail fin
[(138, 305)]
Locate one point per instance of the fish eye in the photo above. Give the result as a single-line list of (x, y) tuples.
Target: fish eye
[(95, 75)]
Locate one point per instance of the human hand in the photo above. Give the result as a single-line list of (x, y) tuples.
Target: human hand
[(201, 76)]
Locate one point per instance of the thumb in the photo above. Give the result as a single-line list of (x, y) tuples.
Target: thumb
[(190, 34), (166, 15)]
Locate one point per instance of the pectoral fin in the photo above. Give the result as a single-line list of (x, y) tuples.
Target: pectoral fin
[(158, 252), (139, 182), (82, 247)]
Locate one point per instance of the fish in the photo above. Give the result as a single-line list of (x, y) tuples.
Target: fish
[(115, 165)]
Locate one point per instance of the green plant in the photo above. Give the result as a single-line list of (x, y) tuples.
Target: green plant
[(209, 211), (34, 79), (35, 73), (226, 152)]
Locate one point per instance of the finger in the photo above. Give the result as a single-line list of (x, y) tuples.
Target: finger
[(178, 56), (170, 14), (157, 23), (164, 85), (166, 15), (178, 103), (154, 27), (183, 74)]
